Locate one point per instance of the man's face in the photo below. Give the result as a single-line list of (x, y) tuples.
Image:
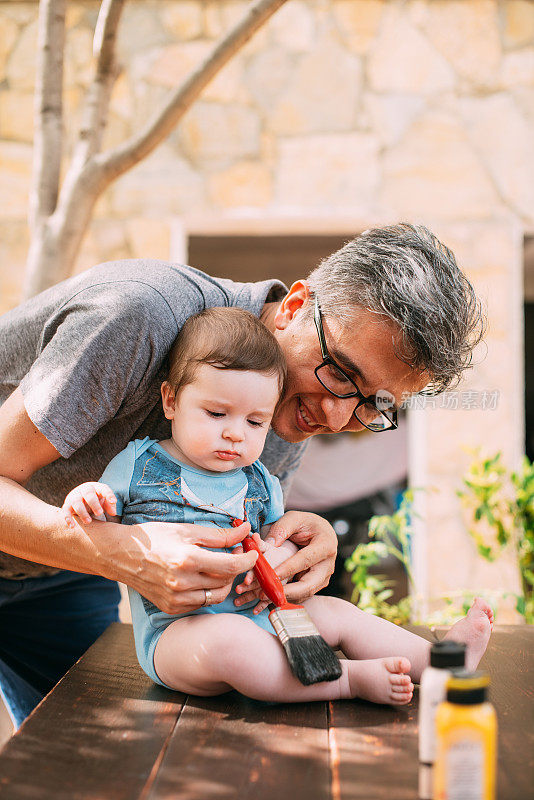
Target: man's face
[(366, 349)]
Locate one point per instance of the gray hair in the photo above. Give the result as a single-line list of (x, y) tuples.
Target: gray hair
[(405, 273)]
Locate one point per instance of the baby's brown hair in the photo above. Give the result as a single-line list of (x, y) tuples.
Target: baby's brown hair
[(226, 338)]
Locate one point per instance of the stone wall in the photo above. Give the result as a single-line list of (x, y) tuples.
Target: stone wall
[(368, 111)]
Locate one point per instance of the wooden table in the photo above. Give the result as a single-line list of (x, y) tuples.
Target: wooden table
[(106, 731)]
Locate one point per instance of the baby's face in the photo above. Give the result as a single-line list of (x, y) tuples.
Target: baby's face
[(220, 421)]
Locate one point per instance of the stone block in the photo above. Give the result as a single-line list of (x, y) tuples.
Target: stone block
[(219, 18), (14, 243), (467, 36), (110, 239), (174, 62), (161, 185), (20, 13), (402, 60), (74, 14), (524, 98), (89, 254), (518, 23), (247, 184), (293, 27), (358, 23), (213, 135), (16, 170), (9, 36), (148, 238), (231, 12), (435, 172), (347, 180), (118, 130), (122, 97), (505, 142), (16, 116), (227, 86), (21, 64), (183, 20), (79, 65), (391, 115), (212, 19), (267, 75), (517, 69), (170, 66), (141, 29), (309, 104)]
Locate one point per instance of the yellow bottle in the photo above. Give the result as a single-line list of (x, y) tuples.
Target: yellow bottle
[(466, 729)]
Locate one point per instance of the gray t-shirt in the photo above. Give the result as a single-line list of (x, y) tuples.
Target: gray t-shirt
[(90, 355)]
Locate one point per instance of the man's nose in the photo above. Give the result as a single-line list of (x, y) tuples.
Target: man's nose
[(338, 412)]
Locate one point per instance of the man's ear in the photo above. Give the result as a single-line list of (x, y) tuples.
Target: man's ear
[(168, 398), (292, 304)]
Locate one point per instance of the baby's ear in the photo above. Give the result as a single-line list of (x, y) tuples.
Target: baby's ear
[(168, 400)]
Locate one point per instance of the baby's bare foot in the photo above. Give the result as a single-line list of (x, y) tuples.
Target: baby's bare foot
[(381, 680), (474, 631)]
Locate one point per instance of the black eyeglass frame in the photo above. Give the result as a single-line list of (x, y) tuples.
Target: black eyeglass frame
[(363, 400)]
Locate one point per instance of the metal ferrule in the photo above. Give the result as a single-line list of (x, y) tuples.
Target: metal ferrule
[(292, 623)]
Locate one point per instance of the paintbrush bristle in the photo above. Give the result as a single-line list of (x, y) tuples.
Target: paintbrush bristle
[(309, 656), (312, 660)]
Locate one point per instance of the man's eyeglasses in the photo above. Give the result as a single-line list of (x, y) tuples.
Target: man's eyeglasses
[(336, 381)]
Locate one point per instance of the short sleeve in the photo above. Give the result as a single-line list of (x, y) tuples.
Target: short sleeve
[(118, 475), (275, 506), (282, 459), (100, 354)]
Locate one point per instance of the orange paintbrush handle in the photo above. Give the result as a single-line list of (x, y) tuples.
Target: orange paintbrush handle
[(267, 577)]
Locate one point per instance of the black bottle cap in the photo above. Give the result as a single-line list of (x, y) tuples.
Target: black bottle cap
[(447, 654), (467, 688)]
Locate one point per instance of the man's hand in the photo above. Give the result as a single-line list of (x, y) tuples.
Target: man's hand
[(314, 562), (169, 564)]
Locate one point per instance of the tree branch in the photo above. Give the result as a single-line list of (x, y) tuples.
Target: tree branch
[(48, 118), (56, 241), (94, 118), (121, 158)]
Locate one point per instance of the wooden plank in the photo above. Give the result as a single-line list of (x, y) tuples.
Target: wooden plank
[(376, 746), (375, 751), (509, 660), (99, 732), (229, 746), (107, 731)]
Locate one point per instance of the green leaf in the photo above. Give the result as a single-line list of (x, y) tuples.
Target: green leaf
[(520, 605)]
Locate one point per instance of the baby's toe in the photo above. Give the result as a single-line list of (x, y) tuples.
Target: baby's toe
[(404, 689), (401, 698), (397, 679), (397, 665)]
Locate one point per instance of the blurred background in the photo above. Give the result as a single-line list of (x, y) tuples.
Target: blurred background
[(337, 116)]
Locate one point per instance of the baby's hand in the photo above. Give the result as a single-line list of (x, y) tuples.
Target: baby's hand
[(87, 501), (238, 548), (275, 556)]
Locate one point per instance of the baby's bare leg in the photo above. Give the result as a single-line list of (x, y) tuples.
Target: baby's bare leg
[(212, 653), (362, 636)]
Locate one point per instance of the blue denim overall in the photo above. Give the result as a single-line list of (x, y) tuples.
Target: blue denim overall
[(156, 495)]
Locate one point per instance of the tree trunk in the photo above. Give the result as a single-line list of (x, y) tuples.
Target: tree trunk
[(58, 232)]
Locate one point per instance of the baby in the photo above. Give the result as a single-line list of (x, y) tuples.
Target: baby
[(226, 374)]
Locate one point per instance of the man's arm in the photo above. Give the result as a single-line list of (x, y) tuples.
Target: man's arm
[(161, 560)]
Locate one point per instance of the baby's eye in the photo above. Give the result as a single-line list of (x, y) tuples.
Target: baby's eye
[(216, 414), (255, 423)]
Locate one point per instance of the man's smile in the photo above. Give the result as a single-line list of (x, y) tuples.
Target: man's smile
[(304, 418)]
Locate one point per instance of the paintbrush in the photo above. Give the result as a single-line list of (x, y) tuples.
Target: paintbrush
[(309, 656)]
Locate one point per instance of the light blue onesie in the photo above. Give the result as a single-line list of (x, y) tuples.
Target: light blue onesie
[(151, 485)]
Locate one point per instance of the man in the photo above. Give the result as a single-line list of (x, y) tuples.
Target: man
[(80, 369)]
